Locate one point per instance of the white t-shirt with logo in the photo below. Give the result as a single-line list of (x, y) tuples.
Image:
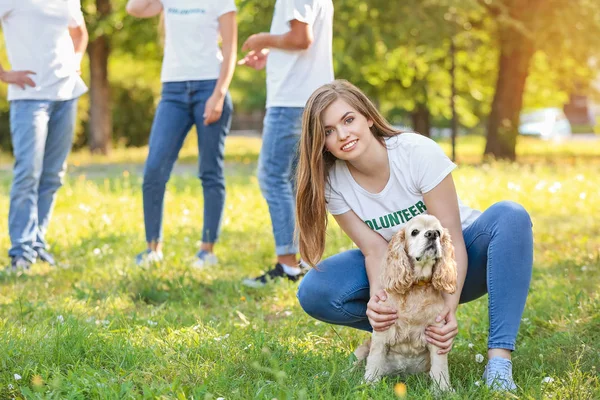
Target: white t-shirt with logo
[(293, 75), (192, 51), (37, 39), (417, 165)]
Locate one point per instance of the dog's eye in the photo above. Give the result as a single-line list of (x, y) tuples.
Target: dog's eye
[(414, 233)]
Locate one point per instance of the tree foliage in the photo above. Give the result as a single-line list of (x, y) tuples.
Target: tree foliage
[(510, 55)]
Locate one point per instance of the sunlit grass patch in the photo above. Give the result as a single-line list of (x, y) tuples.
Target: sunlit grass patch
[(100, 327)]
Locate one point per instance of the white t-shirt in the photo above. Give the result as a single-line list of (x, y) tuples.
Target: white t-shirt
[(292, 76), (37, 39), (192, 51), (417, 165)]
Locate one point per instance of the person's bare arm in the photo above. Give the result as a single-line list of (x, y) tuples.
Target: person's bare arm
[(214, 105), (299, 37), (143, 8), (79, 36)]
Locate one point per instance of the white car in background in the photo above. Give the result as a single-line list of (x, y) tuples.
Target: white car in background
[(547, 123)]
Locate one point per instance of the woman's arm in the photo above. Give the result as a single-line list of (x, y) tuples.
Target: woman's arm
[(79, 36), (144, 8), (299, 37), (442, 202), (214, 105), (374, 248)]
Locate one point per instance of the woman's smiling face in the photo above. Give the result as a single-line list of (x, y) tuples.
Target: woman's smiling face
[(347, 133)]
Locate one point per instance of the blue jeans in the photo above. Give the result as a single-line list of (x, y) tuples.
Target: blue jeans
[(181, 106), (42, 135), (500, 250), (276, 172)]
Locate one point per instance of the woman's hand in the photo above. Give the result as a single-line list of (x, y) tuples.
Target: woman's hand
[(256, 42), (443, 336), (254, 59), (213, 108), (380, 317), (19, 78)]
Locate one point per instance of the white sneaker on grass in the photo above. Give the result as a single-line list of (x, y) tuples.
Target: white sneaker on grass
[(498, 375), (205, 259), (148, 257)]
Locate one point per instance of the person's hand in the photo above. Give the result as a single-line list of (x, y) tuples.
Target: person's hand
[(380, 317), (256, 60), (255, 42), (213, 108), (19, 78), (443, 336)]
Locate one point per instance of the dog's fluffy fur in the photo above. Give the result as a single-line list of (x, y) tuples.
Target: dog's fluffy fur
[(419, 266)]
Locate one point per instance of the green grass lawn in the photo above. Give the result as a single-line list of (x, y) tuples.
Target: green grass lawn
[(100, 327)]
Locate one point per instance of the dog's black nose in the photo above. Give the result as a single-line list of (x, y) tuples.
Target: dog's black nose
[(432, 235)]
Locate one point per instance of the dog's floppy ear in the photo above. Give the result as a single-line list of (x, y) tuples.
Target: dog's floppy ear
[(444, 271), (397, 272)]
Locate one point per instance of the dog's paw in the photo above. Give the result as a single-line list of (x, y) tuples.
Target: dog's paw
[(442, 388), (371, 377), (362, 352)]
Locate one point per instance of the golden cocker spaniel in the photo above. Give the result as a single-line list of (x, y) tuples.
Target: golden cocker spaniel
[(419, 266)]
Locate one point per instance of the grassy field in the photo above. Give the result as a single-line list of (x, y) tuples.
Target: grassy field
[(99, 327)]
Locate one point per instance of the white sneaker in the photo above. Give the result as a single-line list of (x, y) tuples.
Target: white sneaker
[(205, 259), (498, 375), (148, 257)]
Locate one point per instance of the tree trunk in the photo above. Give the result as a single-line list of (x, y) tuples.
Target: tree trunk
[(100, 121), (420, 119), (516, 51)]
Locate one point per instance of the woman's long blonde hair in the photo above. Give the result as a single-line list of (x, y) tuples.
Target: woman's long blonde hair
[(315, 161)]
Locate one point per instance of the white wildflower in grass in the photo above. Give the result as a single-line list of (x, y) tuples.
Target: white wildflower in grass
[(526, 320), (17, 377), (220, 398), (580, 177), (97, 251), (152, 323), (247, 347), (540, 185), (471, 345), (60, 319), (218, 339), (479, 358), (584, 268), (477, 383), (547, 380), (10, 386), (514, 186), (106, 219), (555, 187)]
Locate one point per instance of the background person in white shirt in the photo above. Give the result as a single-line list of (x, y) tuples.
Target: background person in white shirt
[(196, 74), (298, 55), (45, 42), (373, 178)]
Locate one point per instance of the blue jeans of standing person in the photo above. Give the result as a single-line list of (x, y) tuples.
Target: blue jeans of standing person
[(276, 172), (42, 136), (181, 106), (500, 250)]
